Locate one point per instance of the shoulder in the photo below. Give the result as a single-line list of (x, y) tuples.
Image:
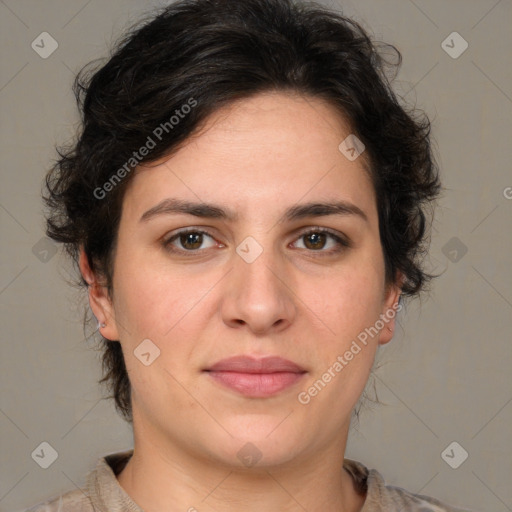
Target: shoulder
[(72, 501), (396, 498), (388, 498), (101, 492)]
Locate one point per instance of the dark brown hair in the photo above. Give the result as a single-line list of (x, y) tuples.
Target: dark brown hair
[(207, 54)]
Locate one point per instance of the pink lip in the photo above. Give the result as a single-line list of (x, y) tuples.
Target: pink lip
[(256, 378)]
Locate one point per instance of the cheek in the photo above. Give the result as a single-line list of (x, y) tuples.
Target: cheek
[(344, 360), (354, 301), (152, 301), (168, 308), (154, 305)]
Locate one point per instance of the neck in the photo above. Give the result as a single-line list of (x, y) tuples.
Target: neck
[(165, 476)]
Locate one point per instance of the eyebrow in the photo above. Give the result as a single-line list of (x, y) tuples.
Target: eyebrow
[(174, 206)]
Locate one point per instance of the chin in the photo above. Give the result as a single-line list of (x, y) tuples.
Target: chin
[(261, 444)]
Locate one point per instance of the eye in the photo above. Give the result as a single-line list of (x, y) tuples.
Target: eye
[(190, 240), (315, 241)]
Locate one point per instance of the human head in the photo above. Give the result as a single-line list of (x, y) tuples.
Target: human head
[(167, 77)]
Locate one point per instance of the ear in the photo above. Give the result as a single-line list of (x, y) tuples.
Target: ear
[(99, 300), (390, 309)]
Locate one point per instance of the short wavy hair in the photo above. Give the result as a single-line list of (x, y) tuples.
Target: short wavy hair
[(218, 52)]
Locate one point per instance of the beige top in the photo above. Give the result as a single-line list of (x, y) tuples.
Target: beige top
[(104, 494)]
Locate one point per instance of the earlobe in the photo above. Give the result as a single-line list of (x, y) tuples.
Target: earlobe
[(99, 300)]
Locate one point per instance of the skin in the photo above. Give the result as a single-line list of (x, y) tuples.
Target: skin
[(257, 157)]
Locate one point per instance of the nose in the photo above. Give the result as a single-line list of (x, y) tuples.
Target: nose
[(258, 295)]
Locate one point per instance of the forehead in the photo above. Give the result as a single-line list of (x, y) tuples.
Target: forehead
[(261, 152)]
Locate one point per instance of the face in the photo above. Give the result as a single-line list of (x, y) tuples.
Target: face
[(261, 280)]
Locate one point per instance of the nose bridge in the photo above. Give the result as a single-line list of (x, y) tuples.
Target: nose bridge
[(259, 295), (258, 264)]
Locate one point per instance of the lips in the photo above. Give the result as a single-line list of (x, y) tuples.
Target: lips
[(247, 364), (256, 378)]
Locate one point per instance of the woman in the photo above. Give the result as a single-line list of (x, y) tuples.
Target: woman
[(246, 205)]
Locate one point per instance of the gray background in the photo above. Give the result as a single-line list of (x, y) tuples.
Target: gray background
[(446, 375)]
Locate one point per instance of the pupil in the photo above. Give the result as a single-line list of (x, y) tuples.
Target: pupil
[(317, 238), (190, 237)]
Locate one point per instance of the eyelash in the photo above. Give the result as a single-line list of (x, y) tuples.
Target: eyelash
[(345, 244)]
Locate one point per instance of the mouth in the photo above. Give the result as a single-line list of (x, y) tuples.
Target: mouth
[(256, 378)]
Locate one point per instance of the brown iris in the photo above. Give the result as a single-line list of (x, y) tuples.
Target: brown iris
[(195, 239), (318, 240)]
